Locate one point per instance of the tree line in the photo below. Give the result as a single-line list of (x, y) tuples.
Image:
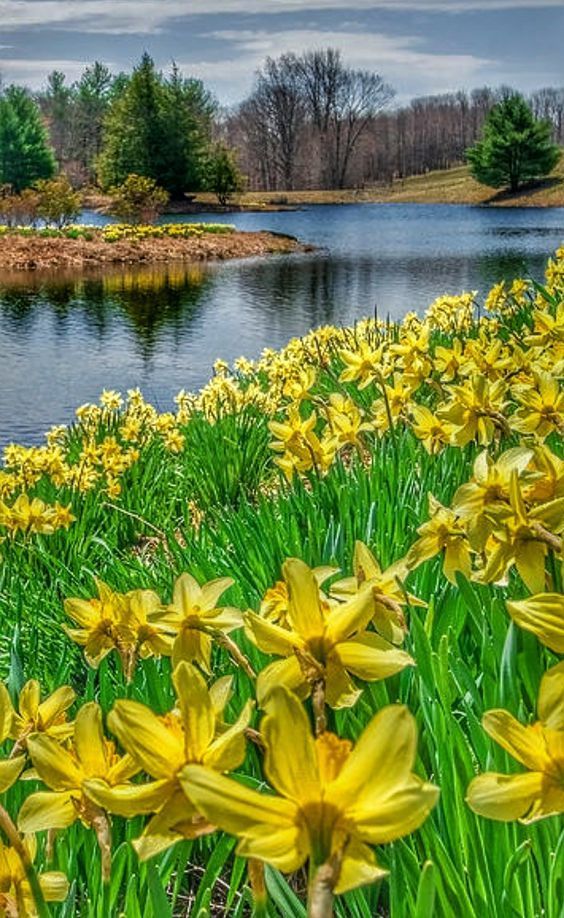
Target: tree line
[(104, 128), (310, 121)]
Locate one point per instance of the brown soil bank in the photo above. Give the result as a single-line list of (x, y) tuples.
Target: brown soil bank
[(31, 253)]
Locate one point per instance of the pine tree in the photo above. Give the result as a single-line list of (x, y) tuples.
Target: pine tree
[(159, 129), (93, 93), (135, 129), (515, 147), (25, 154)]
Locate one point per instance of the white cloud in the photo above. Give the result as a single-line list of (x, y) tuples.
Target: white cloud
[(148, 16), (399, 59), (32, 73)]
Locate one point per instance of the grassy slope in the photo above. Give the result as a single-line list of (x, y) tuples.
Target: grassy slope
[(448, 186)]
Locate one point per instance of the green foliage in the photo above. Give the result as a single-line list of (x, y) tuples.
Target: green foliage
[(58, 203), (515, 148), (223, 175), (92, 99), (226, 463), (158, 128), (25, 154), (138, 200)]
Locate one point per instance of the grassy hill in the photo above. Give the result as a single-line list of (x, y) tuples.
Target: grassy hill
[(447, 186)]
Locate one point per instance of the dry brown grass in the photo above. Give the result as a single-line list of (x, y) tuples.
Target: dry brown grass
[(32, 253), (449, 186)]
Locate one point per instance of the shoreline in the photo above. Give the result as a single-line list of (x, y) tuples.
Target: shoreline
[(37, 253)]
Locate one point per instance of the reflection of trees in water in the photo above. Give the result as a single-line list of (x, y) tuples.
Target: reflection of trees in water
[(320, 289), (328, 288), (153, 300)]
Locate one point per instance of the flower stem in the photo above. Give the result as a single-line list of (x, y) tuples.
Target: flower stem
[(318, 702), (320, 896)]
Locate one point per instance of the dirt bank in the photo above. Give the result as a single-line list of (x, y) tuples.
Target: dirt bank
[(32, 253)]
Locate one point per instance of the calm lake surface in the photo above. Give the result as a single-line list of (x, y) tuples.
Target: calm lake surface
[(65, 338)]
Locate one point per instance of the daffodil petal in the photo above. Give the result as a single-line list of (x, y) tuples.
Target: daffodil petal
[(10, 770), (285, 849), (379, 820), (381, 759), (371, 657), (232, 806), (287, 673), (198, 717), (544, 616), (291, 760), (45, 810), (129, 799), (349, 617), (304, 605), (504, 797), (159, 751), (89, 740), (551, 698), (228, 750), (55, 766), (6, 713), (56, 703), (358, 867), (526, 744), (271, 638)]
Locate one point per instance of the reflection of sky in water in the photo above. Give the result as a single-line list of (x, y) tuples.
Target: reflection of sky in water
[(64, 339)]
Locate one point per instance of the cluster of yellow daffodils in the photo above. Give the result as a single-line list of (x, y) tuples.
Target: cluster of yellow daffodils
[(114, 232), (32, 515), (173, 765), (449, 377), (138, 625), (324, 641), (510, 514), (334, 800)]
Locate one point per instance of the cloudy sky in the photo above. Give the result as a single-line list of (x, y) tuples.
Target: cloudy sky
[(420, 46)]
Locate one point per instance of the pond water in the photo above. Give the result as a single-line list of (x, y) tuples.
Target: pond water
[(66, 337)]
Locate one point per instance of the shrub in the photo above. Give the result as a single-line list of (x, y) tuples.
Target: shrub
[(224, 177), (18, 209), (58, 203), (138, 200)]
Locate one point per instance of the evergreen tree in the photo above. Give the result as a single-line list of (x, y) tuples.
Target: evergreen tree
[(135, 129), (159, 129), (515, 147), (57, 105), (223, 175), (25, 154), (93, 93)]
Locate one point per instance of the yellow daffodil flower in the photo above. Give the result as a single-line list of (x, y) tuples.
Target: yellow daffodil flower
[(486, 495), (66, 771), (542, 410), (523, 538), (324, 642), (10, 768), (427, 427), (16, 898), (35, 716), (334, 800), (443, 533), (193, 617), (192, 732), (388, 594), (538, 792)]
